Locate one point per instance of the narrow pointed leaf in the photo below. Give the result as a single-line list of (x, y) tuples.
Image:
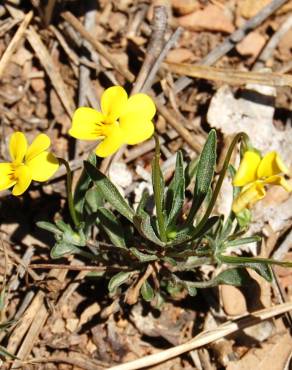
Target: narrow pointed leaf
[(82, 186), (109, 191), (49, 227), (112, 227), (147, 292), (176, 191), (142, 257), (205, 173), (119, 279), (143, 225)]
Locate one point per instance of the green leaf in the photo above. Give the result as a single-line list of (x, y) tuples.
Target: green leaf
[(93, 199), (61, 249), (205, 173), (49, 227), (109, 191), (248, 261), (143, 257), (191, 171), (158, 190), (207, 227), (236, 277), (119, 279), (147, 292), (63, 226), (237, 242), (264, 270), (176, 192), (82, 186), (143, 225), (112, 227), (5, 353)]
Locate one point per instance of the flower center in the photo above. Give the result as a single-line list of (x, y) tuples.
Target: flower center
[(15, 166)]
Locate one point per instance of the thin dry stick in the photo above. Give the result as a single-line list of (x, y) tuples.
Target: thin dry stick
[(48, 11), (239, 34), (51, 69), (175, 123), (153, 51), (35, 326), (74, 358), (272, 44), (155, 67), (84, 72), (206, 337), (70, 52), (154, 47), (230, 42), (232, 77), (74, 22), (14, 43)]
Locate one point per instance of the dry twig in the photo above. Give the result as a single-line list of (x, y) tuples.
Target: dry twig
[(232, 77), (14, 43), (74, 22)]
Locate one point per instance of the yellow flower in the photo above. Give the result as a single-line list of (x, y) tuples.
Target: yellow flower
[(28, 163), (122, 120), (253, 174)]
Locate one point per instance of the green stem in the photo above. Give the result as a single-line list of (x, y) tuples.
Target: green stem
[(223, 171), (72, 211), (157, 191)]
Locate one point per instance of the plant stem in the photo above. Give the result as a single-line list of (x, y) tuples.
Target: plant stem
[(72, 211), (158, 191)]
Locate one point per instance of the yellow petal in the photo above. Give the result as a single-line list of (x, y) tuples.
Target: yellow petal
[(17, 147), (249, 196), (23, 180), (247, 171), (270, 165), (86, 124), (6, 176), (43, 166), (39, 145), (140, 106), (137, 131), (278, 180), (135, 120), (113, 102), (112, 142)]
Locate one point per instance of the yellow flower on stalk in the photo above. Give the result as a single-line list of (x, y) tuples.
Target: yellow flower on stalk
[(122, 120), (253, 174), (28, 163)]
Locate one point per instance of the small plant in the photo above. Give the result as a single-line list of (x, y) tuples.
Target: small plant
[(157, 250)]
